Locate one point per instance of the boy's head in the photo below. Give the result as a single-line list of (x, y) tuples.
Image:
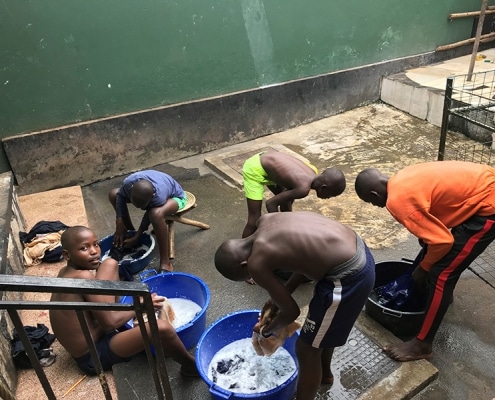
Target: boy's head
[(141, 194), (371, 187), (229, 262), (330, 183), (81, 248)]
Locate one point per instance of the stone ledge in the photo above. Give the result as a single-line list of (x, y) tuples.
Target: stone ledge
[(11, 263)]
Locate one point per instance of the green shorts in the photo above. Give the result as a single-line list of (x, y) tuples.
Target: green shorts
[(180, 201), (255, 178)]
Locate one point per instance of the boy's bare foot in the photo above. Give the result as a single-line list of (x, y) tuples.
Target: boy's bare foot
[(166, 268), (250, 281), (327, 380), (412, 350)]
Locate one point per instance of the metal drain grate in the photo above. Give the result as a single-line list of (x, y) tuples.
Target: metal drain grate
[(357, 366)]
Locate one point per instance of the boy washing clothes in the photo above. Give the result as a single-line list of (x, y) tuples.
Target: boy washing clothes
[(159, 195), (82, 252), (314, 247)]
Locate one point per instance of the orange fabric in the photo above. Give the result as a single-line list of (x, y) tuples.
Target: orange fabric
[(166, 312), (431, 198), (268, 346)]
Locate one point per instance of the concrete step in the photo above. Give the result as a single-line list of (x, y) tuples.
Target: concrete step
[(420, 101), (133, 379), (420, 92)]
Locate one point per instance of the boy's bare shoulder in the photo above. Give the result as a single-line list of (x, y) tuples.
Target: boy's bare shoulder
[(68, 272)]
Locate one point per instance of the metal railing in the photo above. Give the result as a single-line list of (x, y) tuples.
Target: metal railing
[(142, 303), (471, 101)]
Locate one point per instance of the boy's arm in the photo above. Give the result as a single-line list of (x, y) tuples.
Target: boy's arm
[(280, 296), (431, 231), (294, 281), (145, 223), (120, 211), (108, 320), (287, 196)]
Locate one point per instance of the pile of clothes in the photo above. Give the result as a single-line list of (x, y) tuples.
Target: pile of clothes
[(42, 242), (41, 340)]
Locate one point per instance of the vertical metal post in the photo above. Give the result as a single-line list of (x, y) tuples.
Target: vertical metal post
[(445, 118), (158, 364), (94, 354)]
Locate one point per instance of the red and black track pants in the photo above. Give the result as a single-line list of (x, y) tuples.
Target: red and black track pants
[(471, 238)]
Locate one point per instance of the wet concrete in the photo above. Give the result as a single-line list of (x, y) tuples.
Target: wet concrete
[(375, 135)]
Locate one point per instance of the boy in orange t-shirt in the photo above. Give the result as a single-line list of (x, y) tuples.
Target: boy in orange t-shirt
[(450, 207)]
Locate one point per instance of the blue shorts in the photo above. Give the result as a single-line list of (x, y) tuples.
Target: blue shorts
[(107, 356), (335, 306)]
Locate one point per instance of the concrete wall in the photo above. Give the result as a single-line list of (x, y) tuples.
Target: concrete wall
[(11, 223), (84, 153), (74, 62)]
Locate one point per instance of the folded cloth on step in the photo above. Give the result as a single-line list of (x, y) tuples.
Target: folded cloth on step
[(267, 346), (166, 312), (35, 250)]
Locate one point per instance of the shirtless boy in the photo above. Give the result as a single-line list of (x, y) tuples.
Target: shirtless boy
[(82, 252), (288, 178), (313, 247)]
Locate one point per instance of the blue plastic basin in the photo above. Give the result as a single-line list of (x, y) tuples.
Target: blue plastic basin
[(185, 286), (228, 329), (138, 264)]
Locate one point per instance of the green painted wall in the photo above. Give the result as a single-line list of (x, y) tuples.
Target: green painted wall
[(65, 61)]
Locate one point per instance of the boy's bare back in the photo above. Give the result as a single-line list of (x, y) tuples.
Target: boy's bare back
[(303, 242), (287, 171)]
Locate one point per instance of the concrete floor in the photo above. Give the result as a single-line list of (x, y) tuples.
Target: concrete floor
[(374, 135)]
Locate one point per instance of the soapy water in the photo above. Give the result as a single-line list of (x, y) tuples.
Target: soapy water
[(185, 311), (237, 368)]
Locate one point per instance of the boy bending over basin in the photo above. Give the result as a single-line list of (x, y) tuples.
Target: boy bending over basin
[(313, 247)]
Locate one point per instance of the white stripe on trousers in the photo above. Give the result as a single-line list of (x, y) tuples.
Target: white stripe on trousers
[(329, 315)]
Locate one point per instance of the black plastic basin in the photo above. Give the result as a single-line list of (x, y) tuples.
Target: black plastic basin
[(400, 323)]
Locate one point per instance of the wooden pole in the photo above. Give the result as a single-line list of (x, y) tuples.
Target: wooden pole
[(481, 19), (483, 38), (470, 14), (487, 40)]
